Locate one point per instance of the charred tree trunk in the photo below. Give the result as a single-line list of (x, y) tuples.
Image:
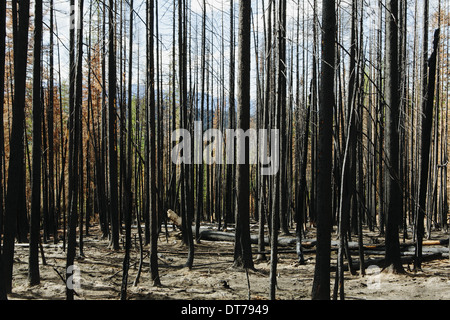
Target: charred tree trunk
[(128, 192), (2, 163), (393, 189), (199, 213), (50, 120), (33, 265), (244, 254), (321, 283), (74, 161), (151, 135), (16, 171), (112, 134), (427, 125)]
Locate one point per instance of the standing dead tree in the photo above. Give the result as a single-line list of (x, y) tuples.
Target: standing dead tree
[(427, 124)]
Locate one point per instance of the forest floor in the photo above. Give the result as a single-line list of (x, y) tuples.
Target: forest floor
[(213, 277)]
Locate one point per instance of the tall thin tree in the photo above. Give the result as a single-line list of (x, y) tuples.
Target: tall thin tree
[(16, 170), (75, 146), (427, 124), (33, 265), (128, 191), (151, 135), (2, 94), (112, 83), (321, 282), (393, 191), (244, 258)]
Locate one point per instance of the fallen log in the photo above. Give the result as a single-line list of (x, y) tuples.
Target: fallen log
[(436, 242), (172, 216), (285, 241), (44, 245), (429, 250), (409, 252), (406, 258), (215, 235)]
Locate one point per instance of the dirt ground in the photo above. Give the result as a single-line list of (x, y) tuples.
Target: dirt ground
[(213, 277)]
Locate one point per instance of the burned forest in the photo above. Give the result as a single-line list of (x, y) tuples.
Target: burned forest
[(224, 150)]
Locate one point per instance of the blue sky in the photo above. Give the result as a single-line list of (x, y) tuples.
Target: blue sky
[(218, 11)]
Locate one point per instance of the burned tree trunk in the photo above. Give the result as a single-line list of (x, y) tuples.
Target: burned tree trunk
[(393, 191), (243, 257), (16, 171), (112, 134), (33, 267), (427, 125), (321, 283)]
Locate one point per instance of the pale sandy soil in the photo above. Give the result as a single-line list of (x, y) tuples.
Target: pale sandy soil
[(213, 277)]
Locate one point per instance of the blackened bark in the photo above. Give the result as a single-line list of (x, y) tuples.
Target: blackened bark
[(2, 96), (300, 210), (14, 203), (128, 192), (33, 261), (113, 178), (74, 161), (244, 257), (103, 176), (393, 191), (199, 213), (50, 120), (3, 295), (427, 125), (230, 168), (281, 102), (152, 169), (321, 284)]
